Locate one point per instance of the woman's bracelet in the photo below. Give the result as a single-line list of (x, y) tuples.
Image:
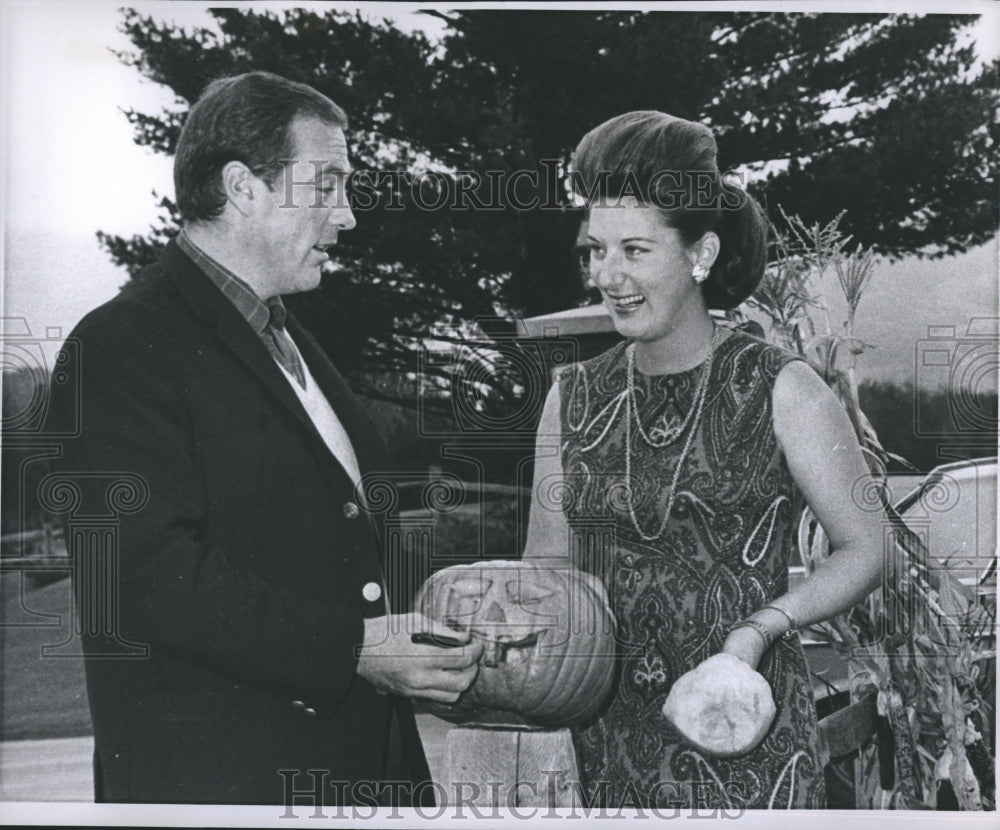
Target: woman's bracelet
[(757, 626), (793, 626)]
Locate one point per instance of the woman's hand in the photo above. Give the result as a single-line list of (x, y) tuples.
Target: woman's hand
[(746, 644)]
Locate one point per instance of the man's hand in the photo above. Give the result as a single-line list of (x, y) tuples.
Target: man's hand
[(392, 662)]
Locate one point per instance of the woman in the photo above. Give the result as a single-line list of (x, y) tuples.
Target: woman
[(696, 446)]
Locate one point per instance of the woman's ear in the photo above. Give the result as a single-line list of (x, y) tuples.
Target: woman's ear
[(705, 251), (239, 185)]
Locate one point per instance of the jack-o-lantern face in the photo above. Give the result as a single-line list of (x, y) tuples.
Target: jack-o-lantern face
[(509, 614), (495, 598), (539, 661)]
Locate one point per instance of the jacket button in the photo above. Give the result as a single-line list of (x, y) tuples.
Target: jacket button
[(309, 711), (298, 704), (372, 591), (351, 510)]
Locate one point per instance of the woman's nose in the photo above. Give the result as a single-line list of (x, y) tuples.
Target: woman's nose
[(607, 272)]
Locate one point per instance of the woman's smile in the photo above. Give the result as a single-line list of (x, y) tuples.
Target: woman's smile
[(625, 304)]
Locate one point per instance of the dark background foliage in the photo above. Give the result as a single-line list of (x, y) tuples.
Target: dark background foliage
[(886, 116)]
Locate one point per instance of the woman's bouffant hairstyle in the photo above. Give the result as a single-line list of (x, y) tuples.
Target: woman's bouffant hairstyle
[(241, 118), (670, 163)]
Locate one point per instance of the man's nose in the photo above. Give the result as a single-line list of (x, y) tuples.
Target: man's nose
[(344, 219)]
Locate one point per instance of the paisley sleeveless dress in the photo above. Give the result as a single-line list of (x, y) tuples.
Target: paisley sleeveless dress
[(723, 554)]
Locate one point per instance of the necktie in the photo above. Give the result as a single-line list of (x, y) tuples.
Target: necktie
[(280, 345)]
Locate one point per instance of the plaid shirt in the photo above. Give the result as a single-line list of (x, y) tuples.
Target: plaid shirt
[(267, 319)]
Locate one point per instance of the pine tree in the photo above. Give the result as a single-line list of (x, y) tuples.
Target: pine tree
[(888, 117)]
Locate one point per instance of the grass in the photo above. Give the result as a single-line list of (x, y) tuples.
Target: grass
[(40, 697)]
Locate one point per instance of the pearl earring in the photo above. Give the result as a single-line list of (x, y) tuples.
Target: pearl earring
[(700, 273)]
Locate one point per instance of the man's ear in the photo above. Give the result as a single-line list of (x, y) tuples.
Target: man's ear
[(241, 186)]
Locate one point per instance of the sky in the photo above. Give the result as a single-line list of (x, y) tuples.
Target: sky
[(69, 163), (70, 168)]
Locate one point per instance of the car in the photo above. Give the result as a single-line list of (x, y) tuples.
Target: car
[(956, 506), (952, 510)]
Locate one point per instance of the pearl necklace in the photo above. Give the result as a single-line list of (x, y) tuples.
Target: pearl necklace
[(693, 419)]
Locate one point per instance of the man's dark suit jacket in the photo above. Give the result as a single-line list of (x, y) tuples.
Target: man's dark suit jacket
[(245, 573)]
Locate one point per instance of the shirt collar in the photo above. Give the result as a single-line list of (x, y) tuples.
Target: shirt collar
[(254, 310)]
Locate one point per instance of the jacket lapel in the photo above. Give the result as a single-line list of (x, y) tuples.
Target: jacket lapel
[(242, 341), (366, 442), (368, 447)]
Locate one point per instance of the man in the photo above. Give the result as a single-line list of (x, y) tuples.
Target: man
[(252, 572)]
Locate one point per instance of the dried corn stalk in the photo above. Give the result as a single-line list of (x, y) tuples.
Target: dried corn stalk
[(919, 641)]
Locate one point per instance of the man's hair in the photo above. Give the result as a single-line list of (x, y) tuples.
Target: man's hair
[(241, 118)]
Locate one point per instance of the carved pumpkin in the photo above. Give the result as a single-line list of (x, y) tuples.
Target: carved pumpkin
[(721, 707), (548, 634)]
